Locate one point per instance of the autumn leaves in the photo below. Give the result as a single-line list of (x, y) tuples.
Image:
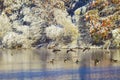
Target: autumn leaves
[(101, 26)]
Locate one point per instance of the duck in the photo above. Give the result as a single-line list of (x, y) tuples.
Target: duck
[(70, 50), (77, 61), (52, 61), (11, 54), (56, 50), (86, 48), (113, 60), (96, 61), (66, 59)]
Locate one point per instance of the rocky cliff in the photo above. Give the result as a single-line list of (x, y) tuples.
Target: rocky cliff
[(61, 23)]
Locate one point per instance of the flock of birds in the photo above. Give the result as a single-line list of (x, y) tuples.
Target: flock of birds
[(55, 50), (71, 50)]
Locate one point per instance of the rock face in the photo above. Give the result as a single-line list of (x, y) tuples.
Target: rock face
[(67, 23), (28, 23), (20, 25), (98, 21), (85, 38), (116, 37)]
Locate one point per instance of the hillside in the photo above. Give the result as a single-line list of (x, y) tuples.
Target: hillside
[(61, 23)]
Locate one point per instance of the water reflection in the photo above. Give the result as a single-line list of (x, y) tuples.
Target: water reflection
[(43, 64), (98, 65)]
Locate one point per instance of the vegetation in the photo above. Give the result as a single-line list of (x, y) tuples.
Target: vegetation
[(101, 26), (52, 19)]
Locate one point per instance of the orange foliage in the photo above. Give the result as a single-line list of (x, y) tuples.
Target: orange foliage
[(104, 32), (95, 3), (92, 30), (100, 27), (106, 23), (86, 17), (115, 1), (106, 3)]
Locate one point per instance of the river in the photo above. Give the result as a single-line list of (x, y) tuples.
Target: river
[(44, 64)]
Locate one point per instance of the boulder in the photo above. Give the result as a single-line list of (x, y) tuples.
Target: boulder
[(116, 37)]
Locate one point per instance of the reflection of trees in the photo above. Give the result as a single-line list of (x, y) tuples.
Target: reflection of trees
[(101, 58), (21, 59), (96, 59), (38, 59), (97, 56), (115, 57), (85, 65)]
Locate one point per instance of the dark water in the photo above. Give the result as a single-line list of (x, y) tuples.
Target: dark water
[(43, 64)]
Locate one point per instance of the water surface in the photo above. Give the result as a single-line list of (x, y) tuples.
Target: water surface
[(37, 64)]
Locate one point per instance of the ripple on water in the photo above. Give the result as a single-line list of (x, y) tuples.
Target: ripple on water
[(35, 65)]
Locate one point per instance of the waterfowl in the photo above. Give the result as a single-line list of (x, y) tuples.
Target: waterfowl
[(113, 60), (70, 50), (87, 48), (66, 59), (77, 61), (11, 54), (52, 61), (56, 50), (96, 61)]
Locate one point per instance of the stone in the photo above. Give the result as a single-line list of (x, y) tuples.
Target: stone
[(116, 37)]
